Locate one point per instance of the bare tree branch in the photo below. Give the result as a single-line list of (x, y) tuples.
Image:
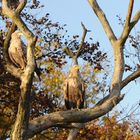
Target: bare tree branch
[(117, 48), (22, 118), (128, 23), (127, 27), (101, 16), (130, 78), (118, 69), (16, 18), (84, 115), (21, 6), (82, 41), (68, 52), (117, 44), (129, 13), (135, 19)]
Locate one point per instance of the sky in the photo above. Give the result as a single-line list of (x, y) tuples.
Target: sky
[(73, 12)]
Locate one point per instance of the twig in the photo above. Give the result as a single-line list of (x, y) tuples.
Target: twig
[(82, 41)]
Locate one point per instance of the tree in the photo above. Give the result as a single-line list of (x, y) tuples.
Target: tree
[(25, 128), (49, 52)]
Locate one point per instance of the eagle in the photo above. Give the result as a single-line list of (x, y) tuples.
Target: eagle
[(17, 52), (74, 89)]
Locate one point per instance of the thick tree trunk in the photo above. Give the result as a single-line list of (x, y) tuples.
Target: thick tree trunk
[(118, 68), (21, 124), (20, 128), (73, 132)]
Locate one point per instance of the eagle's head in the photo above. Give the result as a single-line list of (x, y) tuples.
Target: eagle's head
[(74, 71), (16, 34)]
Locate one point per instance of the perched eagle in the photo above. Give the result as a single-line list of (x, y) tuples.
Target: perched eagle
[(17, 52), (74, 89)]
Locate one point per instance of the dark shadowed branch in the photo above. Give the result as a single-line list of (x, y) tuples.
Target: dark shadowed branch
[(83, 39), (41, 123), (69, 52), (130, 78)]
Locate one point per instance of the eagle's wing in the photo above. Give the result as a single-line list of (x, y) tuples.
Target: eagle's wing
[(20, 57), (37, 69), (21, 51), (66, 93), (13, 57), (73, 92), (65, 89), (15, 54), (80, 101)]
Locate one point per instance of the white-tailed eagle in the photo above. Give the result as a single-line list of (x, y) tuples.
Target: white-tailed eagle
[(74, 89), (17, 52)]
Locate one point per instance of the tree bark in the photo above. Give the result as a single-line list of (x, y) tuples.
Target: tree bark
[(73, 132), (72, 116), (22, 118), (20, 128)]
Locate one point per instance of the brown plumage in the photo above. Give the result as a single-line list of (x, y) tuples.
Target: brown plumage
[(17, 52), (74, 89)]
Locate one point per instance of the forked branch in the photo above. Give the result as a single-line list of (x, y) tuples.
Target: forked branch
[(83, 39), (70, 53), (128, 23), (130, 78)]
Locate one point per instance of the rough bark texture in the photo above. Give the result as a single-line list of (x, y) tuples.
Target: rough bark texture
[(20, 127), (73, 133), (84, 115)]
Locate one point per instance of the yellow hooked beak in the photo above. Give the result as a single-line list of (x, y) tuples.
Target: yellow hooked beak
[(76, 67), (20, 33)]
